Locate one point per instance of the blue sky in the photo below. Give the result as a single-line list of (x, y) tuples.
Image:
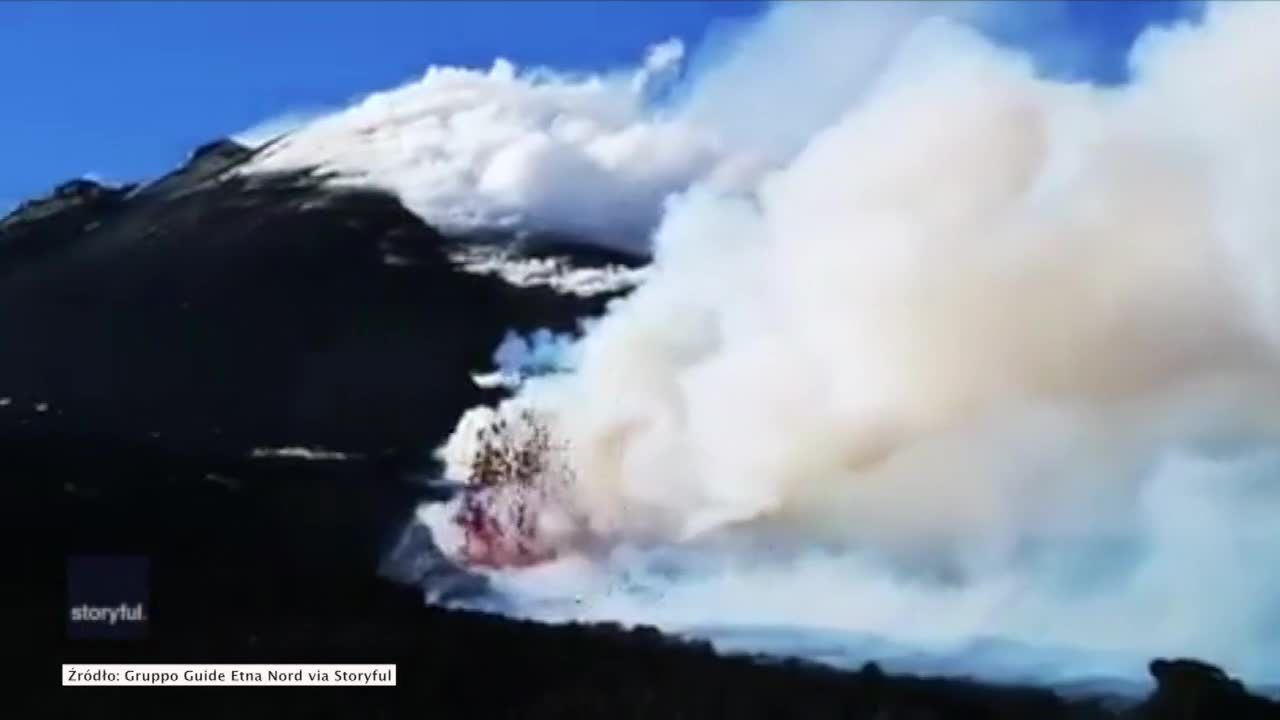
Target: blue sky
[(124, 90)]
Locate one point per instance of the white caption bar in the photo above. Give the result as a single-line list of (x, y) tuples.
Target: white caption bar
[(230, 675)]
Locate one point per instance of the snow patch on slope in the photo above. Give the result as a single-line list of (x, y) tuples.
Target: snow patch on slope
[(301, 453), (557, 273)]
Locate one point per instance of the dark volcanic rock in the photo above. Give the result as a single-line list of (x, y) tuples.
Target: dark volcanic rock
[(1193, 689), (215, 312), (44, 225)]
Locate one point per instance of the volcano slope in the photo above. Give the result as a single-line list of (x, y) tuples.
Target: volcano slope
[(162, 342)]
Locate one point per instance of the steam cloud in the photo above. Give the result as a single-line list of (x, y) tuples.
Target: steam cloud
[(962, 358), (540, 150)]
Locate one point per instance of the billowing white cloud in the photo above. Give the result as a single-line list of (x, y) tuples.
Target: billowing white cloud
[(988, 356), (531, 150), (275, 127)]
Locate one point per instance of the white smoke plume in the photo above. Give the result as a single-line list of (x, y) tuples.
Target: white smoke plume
[(990, 358), (534, 150), (773, 84), (518, 358), (273, 128)]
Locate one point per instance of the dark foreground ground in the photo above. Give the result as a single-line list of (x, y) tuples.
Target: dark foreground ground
[(274, 564), (152, 337)]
